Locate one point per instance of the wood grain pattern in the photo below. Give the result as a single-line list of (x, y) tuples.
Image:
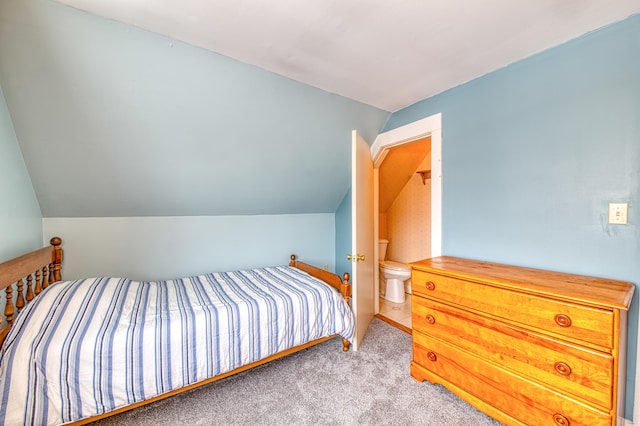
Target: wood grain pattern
[(525, 346), (589, 325), (578, 288), (15, 269), (523, 399), (576, 370)]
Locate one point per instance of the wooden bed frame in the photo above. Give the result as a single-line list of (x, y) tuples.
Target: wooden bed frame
[(39, 269)]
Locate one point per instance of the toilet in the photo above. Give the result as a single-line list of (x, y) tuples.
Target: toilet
[(392, 276)]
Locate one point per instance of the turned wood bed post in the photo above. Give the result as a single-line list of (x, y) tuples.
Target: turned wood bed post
[(56, 260), (345, 289), (44, 263)]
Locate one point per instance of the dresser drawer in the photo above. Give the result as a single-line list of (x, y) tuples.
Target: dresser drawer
[(520, 398), (586, 324), (569, 368)]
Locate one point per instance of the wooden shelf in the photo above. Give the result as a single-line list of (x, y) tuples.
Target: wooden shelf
[(426, 174)]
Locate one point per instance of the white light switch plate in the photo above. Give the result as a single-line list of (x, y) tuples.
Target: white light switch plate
[(618, 213)]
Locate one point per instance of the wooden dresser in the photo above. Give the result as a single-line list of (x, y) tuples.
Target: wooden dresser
[(523, 345)]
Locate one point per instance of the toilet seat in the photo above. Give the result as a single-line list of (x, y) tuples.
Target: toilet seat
[(394, 266)]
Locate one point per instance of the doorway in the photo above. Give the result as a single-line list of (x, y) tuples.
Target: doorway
[(404, 218), (427, 128)]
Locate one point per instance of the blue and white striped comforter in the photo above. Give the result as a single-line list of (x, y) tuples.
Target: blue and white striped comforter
[(108, 342)]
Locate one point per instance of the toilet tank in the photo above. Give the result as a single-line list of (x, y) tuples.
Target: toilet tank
[(382, 249)]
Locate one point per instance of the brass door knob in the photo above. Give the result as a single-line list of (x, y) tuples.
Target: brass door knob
[(356, 258)]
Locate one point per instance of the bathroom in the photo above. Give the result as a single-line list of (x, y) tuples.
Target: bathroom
[(404, 218)]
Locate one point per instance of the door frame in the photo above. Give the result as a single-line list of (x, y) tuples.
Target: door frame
[(429, 126)]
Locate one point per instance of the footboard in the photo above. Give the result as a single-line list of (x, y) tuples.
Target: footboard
[(35, 271), (342, 285)]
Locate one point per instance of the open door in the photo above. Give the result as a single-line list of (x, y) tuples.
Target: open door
[(362, 244)]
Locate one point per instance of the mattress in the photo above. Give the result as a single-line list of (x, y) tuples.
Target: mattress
[(90, 346)]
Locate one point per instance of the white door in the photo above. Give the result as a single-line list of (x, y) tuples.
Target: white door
[(362, 235)]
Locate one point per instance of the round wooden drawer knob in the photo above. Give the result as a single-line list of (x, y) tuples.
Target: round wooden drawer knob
[(562, 320), (432, 356), (562, 368), (431, 319), (561, 420), (430, 285)]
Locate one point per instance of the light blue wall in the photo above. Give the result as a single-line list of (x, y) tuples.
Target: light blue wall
[(137, 124), (152, 158), (20, 218), (152, 248), (532, 155), (343, 234)]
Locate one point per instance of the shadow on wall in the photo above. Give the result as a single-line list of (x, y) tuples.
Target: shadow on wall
[(405, 202)]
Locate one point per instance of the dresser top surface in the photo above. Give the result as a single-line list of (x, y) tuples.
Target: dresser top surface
[(577, 288)]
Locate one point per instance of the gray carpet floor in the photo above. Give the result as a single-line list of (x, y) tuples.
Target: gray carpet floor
[(319, 386)]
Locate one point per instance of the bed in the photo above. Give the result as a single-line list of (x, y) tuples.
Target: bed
[(77, 351)]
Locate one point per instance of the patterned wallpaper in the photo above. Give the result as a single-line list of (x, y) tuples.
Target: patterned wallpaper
[(409, 220)]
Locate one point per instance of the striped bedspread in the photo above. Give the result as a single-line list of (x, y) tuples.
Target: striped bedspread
[(109, 342)]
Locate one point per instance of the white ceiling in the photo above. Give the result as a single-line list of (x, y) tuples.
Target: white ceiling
[(388, 54)]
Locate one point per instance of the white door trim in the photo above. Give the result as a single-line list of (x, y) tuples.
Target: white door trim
[(429, 126)]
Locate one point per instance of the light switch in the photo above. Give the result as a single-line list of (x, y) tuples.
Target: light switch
[(618, 213)]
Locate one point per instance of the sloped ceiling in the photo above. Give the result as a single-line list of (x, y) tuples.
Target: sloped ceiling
[(398, 168), (226, 108), (388, 54), (115, 121)]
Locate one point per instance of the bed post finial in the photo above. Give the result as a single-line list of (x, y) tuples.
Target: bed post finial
[(292, 262), (345, 289), (56, 259)]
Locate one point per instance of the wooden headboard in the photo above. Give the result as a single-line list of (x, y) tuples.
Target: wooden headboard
[(35, 270)]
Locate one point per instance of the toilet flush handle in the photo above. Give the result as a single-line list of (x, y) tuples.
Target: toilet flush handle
[(356, 258)]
